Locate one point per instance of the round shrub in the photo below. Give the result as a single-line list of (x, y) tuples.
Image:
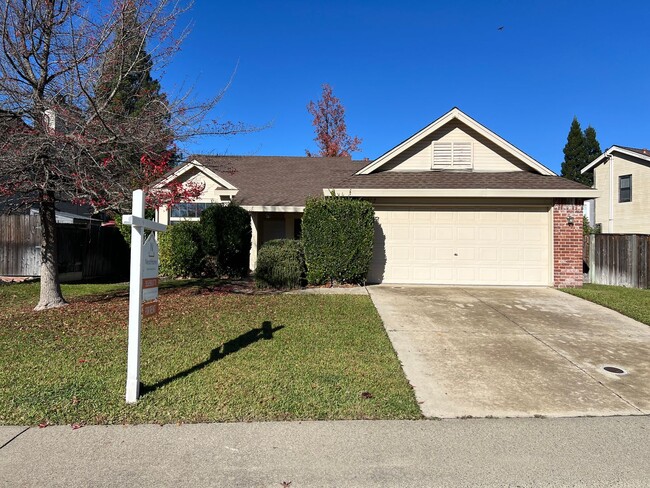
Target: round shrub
[(226, 232), (337, 235), (280, 264), (181, 253)]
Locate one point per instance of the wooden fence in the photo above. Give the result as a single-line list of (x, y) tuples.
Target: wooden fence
[(86, 251), (618, 259)]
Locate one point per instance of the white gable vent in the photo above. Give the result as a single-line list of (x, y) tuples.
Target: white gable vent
[(452, 155)]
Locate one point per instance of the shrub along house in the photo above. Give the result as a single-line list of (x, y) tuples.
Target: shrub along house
[(455, 204)]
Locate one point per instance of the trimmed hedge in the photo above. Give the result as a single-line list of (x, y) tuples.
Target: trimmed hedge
[(181, 253), (281, 264), (226, 233), (337, 235)]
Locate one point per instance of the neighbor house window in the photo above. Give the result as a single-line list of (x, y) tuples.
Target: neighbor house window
[(188, 210), (452, 155), (625, 188)]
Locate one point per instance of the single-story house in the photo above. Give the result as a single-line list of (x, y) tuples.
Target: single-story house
[(455, 204), (622, 182)]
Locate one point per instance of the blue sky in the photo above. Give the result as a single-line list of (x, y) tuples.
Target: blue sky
[(397, 66)]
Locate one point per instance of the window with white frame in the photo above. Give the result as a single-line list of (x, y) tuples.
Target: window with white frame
[(625, 188), (452, 155), (188, 211)]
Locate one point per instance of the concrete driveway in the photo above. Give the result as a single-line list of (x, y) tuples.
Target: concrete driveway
[(512, 352)]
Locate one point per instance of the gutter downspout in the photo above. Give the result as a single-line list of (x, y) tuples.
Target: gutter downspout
[(610, 226)]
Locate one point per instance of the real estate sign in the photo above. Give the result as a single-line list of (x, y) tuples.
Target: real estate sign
[(149, 275), (143, 287)]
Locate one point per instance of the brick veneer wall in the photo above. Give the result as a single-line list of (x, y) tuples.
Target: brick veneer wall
[(567, 243)]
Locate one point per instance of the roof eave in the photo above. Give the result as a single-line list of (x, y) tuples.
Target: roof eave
[(186, 167), (607, 153), (463, 192)]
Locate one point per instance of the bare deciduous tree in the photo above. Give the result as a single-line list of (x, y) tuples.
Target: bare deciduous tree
[(62, 137)]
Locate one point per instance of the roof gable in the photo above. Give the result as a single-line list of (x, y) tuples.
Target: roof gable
[(455, 115), (642, 154), (188, 166)]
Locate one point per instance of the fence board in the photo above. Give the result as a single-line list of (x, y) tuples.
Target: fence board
[(618, 259), (19, 245), (90, 251)]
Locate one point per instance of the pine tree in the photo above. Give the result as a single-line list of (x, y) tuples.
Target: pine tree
[(126, 79), (575, 154), (593, 151)]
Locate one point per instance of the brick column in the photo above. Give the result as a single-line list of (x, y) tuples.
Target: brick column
[(567, 243)]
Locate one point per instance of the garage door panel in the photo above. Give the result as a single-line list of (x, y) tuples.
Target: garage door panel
[(462, 246), (422, 233), (443, 233)]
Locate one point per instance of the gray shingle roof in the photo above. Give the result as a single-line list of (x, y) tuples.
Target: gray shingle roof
[(644, 152), (461, 180), (279, 180), (289, 181)]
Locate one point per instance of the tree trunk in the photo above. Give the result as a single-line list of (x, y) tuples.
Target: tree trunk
[(51, 295)]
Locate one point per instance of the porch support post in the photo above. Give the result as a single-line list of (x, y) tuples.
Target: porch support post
[(288, 226), (254, 239)]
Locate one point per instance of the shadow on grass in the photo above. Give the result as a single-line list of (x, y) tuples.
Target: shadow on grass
[(232, 346), (165, 286)]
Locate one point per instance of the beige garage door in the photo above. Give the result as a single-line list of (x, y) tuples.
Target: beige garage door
[(461, 246)]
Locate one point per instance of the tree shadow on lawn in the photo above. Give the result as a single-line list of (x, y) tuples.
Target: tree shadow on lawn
[(199, 285), (232, 346)]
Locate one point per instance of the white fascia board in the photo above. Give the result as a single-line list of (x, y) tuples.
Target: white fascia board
[(384, 158), (208, 172), (456, 113), (172, 176), (460, 193), (195, 164), (273, 208), (607, 153)]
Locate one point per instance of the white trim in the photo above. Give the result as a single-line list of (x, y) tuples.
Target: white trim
[(551, 248), (461, 193), (456, 113), (273, 208), (206, 171), (604, 155)]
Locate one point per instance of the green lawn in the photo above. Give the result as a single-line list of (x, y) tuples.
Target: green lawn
[(210, 355), (633, 302)]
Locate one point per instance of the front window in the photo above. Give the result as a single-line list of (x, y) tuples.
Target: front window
[(191, 210), (625, 188)]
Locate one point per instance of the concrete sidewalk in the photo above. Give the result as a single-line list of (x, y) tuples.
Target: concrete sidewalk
[(606, 451)]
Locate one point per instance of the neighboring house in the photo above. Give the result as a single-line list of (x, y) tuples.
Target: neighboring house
[(622, 182), (455, 204)]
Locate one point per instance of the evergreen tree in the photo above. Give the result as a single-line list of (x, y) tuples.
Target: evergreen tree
[(593, 151), (581, 148), (127, 70), (128, 88)]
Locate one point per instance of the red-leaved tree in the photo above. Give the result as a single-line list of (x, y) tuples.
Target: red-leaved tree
[(67, 132), (332, 136)]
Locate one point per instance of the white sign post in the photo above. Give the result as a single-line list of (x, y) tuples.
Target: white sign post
[(144, 276)]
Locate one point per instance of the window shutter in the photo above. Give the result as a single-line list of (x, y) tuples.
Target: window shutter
[(442, 154), (462, 155), (452, 155)]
